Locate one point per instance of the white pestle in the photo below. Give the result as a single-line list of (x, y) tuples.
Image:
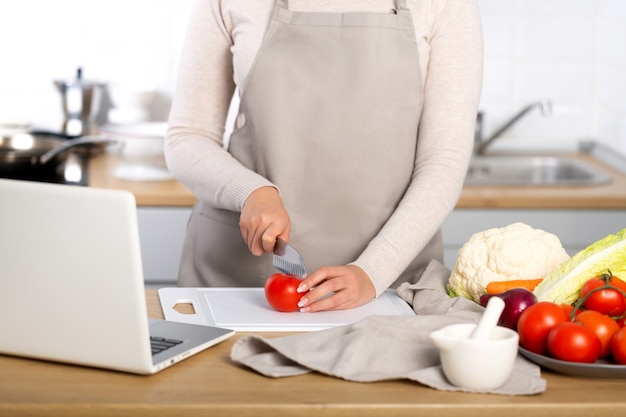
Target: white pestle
[(489, 320)]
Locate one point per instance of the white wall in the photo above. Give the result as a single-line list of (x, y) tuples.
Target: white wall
[(570, 51), (131, 44), (611, 74)]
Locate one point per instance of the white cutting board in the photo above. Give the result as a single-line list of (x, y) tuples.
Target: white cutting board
[(246, 310)]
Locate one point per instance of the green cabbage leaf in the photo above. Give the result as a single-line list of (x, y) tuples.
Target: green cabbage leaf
[(562, 286)]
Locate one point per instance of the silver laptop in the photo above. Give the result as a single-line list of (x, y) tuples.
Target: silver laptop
[(71, 282)]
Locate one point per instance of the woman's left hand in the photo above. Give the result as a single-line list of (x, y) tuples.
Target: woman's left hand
[(336, 288)]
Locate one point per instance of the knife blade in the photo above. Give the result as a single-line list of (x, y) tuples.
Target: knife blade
[(287, 259)]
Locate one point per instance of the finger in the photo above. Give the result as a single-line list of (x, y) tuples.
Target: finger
[(272, 233), (254, 244), (264, 242), (335, 301), (340, 288), (325, 288), (268, 241), (316, 278), (324, 291), (286, 232), (248, 234), (244, 235)]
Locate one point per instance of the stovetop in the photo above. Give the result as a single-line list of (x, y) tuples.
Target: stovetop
[(72, 169)]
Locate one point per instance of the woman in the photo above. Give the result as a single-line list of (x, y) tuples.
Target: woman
[(326, 152)]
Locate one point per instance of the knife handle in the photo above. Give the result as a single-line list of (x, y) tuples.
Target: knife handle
[(280, 247)]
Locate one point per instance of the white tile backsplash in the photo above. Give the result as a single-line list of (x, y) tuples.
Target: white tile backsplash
[(570, 51), (499, 36), (536, 79), (547, 38), (504, 8), (613, 10), (610, 125), (612, 88), (498, 81), (558, 8)]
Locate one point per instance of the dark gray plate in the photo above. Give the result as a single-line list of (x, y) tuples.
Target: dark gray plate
[(602, 368)]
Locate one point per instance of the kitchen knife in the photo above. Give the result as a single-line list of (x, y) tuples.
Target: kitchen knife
[(288, 260)]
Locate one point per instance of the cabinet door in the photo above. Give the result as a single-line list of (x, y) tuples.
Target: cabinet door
[(576, 229), (162, 233)]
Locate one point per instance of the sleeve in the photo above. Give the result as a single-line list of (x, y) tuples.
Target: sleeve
[(451, 95), (194, 148)]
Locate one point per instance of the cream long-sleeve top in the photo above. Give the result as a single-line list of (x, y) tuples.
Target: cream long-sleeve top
[(222, 40)]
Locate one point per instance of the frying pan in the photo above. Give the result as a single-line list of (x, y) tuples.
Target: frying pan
[(27, 150)]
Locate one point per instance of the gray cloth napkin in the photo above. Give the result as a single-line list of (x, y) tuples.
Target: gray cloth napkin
[(381, 348)]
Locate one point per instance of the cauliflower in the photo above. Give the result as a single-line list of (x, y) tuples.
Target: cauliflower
[(516, 251)]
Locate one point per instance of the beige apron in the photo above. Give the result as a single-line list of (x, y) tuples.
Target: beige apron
[(331, 109)]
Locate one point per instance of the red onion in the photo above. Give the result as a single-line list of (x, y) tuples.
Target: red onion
[(516, 300)]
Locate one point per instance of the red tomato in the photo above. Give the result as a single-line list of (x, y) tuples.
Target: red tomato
[(280, 292), (609, 301), (621, 321), (574, 343), (569, 309), (619, 346), (535, 323), (618, 283), (602, 325)]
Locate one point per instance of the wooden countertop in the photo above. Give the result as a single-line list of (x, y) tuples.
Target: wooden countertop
[(147, 193), (209, 384), (606, 196)]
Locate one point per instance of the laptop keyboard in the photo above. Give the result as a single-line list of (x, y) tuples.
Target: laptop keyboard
[(159, 344)]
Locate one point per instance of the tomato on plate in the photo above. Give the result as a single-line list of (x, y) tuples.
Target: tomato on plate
[(535, 323), (618, 346), (609, 300), (602, 325), (280, 292), (617, 282), (569, 309), (574, 343)]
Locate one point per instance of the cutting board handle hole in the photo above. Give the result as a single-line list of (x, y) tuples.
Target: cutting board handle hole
[(184, 307)]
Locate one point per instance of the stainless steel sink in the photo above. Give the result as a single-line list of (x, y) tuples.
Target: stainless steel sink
[(532, 170)]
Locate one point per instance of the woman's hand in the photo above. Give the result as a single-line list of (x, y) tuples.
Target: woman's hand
[(336, 288), (263, 219)]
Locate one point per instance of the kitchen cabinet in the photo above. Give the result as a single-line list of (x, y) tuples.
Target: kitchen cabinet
[(161, 233), (577, 215), (576, 228)]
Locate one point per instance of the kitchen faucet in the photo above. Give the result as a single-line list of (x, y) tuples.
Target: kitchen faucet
[(481, 145)]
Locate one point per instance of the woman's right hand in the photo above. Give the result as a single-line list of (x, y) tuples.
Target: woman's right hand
[(263, 219)]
